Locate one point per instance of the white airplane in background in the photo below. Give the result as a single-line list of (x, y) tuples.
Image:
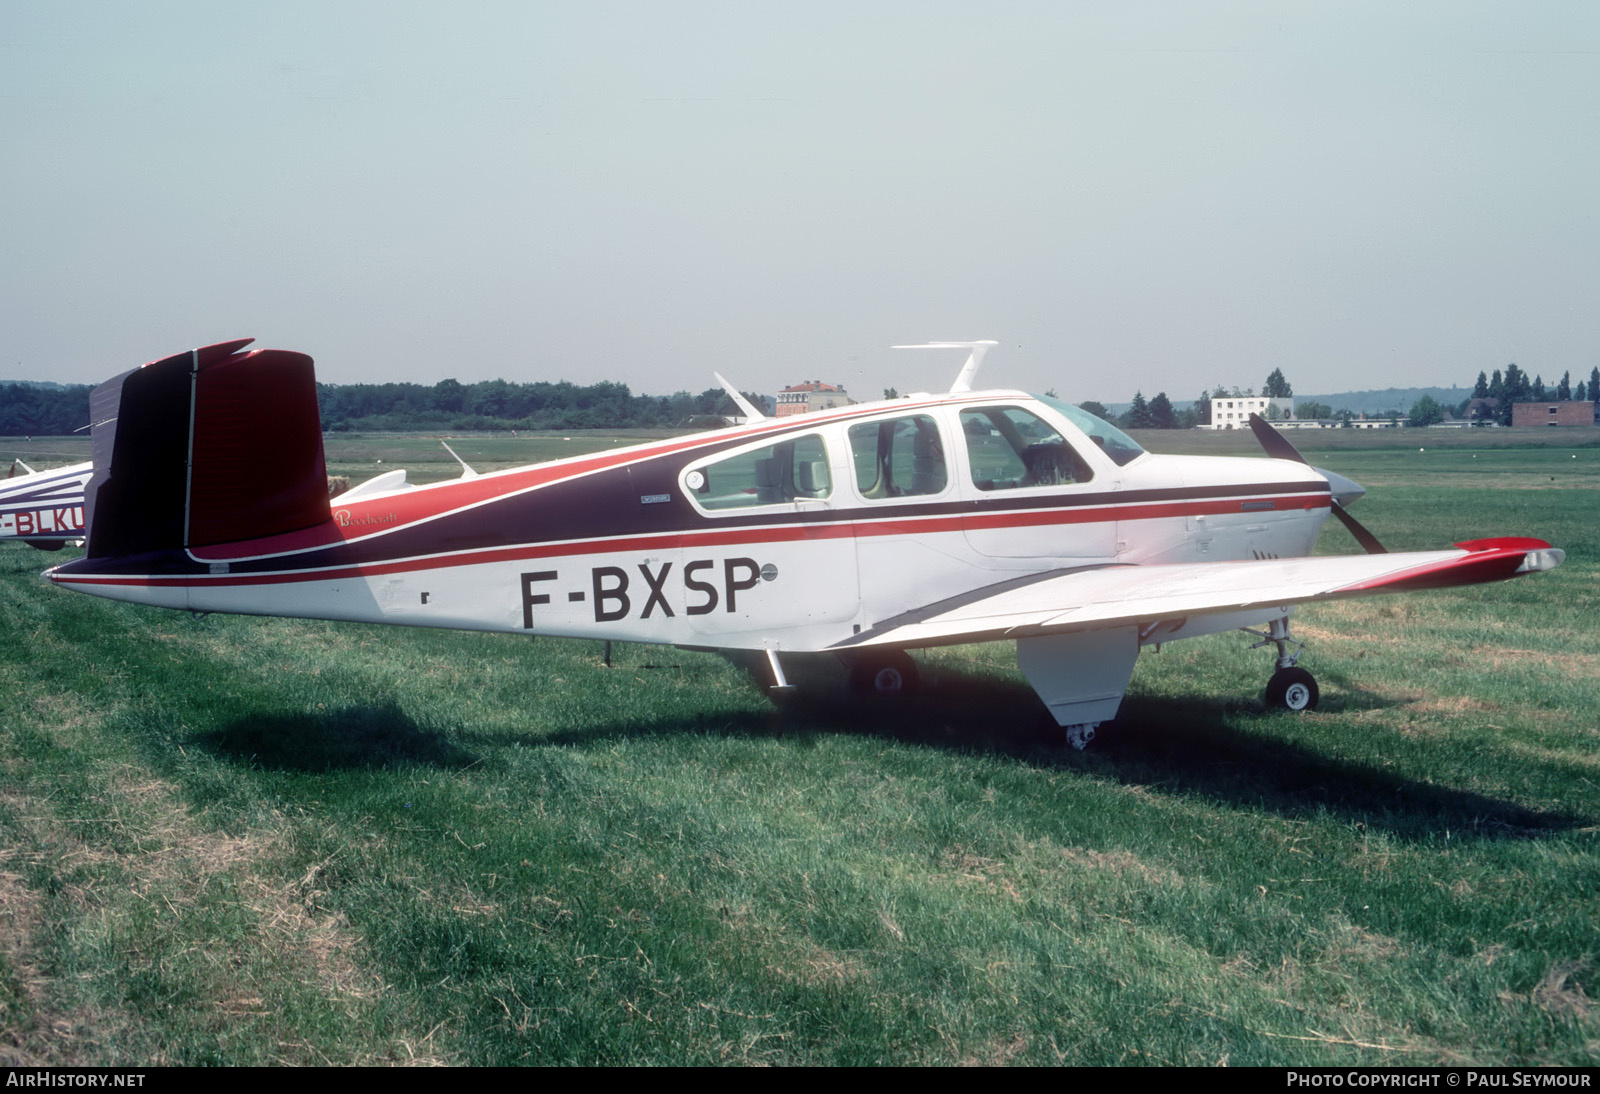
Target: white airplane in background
[(44, 508), (862, 531)]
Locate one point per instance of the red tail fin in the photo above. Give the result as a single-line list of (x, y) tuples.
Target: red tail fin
[(210, 446)]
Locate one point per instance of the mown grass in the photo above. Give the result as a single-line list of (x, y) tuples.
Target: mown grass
[(247, 841)]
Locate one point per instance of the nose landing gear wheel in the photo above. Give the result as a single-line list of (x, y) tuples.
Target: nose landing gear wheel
[(1292, 689)]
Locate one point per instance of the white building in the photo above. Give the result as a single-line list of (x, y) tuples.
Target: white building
[(1233, 411)]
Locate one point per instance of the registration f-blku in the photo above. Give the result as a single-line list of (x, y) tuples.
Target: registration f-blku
[(861, 532), (43, 508)]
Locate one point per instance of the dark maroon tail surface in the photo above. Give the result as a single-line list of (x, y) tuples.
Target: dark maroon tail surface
[(210, 446)]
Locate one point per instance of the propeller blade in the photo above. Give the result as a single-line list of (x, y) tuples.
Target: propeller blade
[(1359, 530), (1275, 443), (1278, 447)]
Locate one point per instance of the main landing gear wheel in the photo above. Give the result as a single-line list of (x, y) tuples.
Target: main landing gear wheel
[(891, 673), (1080, 735), (1292, 689)]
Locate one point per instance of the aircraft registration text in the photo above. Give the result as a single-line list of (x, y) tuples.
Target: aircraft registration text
[(616, 593), (49, 521)]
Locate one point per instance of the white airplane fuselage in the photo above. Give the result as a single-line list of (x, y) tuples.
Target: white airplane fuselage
[(622, 546)]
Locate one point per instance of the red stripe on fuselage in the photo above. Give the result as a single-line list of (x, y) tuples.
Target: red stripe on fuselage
[(376, 516), (727, 536)]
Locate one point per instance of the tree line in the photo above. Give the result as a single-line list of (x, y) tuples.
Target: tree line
[(28, 409), (448, 405), (1505, 389), (1513, 386), (1159, 413)]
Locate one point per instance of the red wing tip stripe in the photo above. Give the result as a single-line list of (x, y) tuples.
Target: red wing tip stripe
[(1525, 543), (1472, 568)]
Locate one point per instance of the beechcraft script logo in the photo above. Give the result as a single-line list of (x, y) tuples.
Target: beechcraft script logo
[(343, 518)]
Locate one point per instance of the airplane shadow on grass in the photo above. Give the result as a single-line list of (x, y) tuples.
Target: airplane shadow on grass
[(1198, 746), (1202, 746), (346, 739)]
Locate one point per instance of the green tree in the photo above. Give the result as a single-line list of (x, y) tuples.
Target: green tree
[(1313, 411), (1594, 383), (1097, 409), (1138, 416), (1425, 411), (1162, 416), (450, 395), (1202, 408), (1564, 387), (1516, 388), (1276, 386), (1480, 390)]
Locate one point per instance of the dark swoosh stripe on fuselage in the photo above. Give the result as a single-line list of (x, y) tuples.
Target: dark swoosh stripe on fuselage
[(66, 488), (575, 518)]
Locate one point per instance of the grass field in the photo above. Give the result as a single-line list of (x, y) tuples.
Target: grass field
[(243, 841)]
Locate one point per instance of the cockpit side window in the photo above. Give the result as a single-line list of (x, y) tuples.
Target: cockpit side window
[(1009, 448), (778, 473), (1116, 444), (902, 457)]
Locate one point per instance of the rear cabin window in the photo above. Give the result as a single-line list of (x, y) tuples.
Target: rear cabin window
[(899, 458), (1009, 448), (778, 473)]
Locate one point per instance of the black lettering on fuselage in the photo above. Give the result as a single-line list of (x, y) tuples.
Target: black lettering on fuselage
[(733, 585), (529, 597), (710, 590), (617, 592), (609, 589), (655, 581)]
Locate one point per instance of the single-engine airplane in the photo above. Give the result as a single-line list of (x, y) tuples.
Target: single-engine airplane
[(44, 508), (862, 531)]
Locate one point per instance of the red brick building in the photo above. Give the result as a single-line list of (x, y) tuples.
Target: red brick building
[(1566, 413)]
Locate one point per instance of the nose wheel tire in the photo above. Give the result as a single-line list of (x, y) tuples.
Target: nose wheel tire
[(1292, 689), (887, 674)]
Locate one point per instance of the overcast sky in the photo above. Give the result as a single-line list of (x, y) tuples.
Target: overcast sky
[(1159, 196)]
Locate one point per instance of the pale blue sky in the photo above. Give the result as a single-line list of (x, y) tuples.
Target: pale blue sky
[(1161, 196)]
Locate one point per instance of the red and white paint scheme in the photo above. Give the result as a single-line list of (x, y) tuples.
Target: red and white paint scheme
[(858, 532), (44, 508)]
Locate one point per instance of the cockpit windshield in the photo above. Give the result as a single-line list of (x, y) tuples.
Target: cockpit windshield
[(1122, 448)]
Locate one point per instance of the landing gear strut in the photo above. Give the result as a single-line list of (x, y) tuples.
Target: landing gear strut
[(1291, 687)]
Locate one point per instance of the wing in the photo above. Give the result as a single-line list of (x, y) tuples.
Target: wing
[(1062, 601)]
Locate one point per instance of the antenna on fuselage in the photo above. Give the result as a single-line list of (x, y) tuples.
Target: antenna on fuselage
[(466, 472), (739, 401), (968, 370)]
